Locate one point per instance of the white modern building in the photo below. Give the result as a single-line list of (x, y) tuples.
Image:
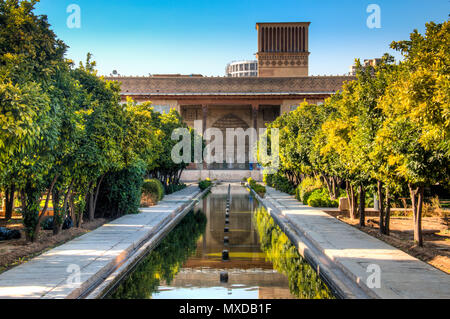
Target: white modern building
[(242, 69)]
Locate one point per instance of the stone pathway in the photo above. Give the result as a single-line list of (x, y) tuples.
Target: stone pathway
[(355, 253), (53, 274)]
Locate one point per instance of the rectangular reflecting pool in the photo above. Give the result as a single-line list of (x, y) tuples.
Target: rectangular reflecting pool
[(259, 263)]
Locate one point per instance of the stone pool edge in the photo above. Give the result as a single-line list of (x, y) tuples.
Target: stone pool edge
[(342, 285), (106, 284)]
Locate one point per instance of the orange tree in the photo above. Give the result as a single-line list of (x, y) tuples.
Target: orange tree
[(415, 134)]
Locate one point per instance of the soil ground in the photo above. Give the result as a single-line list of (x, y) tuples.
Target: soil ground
[(16, 252), (436, 250)]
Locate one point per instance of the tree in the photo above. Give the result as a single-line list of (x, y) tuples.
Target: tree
[(166, 170), (30, 59), (20, 108), (338, 131), (370, 85), (100, 142), (416, 131)]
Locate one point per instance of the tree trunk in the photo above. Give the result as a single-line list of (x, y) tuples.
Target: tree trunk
[(67, 197), (57, 224), (44, 210), (381, 203), (80, 217), (23, 199), (335, 188), (351, 201), (179, 176), (387, 219), (87, 200), (9, 204), (97, 191), (73, 211), (417, 205), (329, 186), (362, 206), (91, 206)]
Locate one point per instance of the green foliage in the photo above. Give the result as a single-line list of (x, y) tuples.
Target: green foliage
[(205, 184), (64, 131), (165, 261), (304, 282), (142, 140), (258, 188), (306, 188), (153, 187), (297, 130), (165, 169), (388, 129), (29, 46), (283, 184), (268, 179), (413, 142), (20, 109), (121, 192), (321, 198)]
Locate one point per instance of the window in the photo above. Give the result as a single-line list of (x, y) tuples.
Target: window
[(270, 114), (190, 114)]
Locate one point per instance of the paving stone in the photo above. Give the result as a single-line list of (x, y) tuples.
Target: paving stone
[(94, 253), (402, 276)]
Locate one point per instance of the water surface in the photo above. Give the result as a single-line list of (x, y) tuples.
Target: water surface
[(188, 264)]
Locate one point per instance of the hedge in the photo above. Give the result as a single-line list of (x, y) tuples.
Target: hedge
[(258, 188), (153, 187), (205, 184)]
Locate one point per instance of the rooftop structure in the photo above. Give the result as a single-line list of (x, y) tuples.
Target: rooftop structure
[(283, 49)]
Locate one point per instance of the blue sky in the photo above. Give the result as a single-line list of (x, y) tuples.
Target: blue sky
[(141, 37)]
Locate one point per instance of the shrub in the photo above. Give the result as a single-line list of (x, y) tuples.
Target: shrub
[(258, 188), (205, 184), (268, 179), (306, 188), (154, 189), (281, 183), (121, 192), (321, 198)]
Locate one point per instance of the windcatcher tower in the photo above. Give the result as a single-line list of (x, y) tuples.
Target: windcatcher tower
[(283, 49)]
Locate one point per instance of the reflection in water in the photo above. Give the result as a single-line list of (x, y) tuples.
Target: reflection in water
[(188, 264), (165, 261), (303, 280), (250, 275)]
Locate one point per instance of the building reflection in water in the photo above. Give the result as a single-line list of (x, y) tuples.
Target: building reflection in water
[(188, 263)]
